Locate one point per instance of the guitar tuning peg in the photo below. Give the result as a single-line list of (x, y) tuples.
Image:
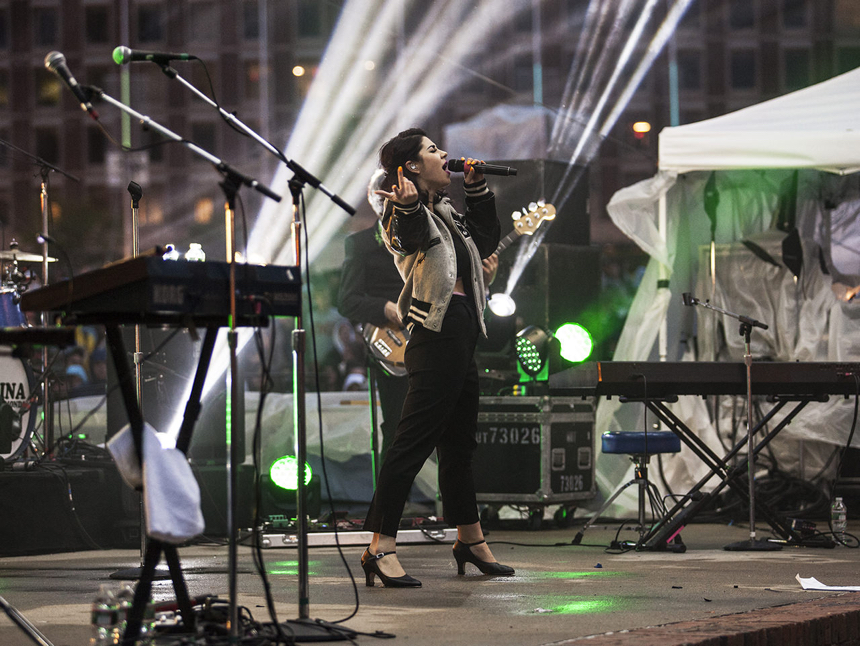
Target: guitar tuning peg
[(515, 215), (532, 207), (524, 211), (541, 203)]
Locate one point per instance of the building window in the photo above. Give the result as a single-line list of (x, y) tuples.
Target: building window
[(203, 22), (252, 80), (250, 20), (96, 146), (4, 158), (310, 19), (743, 69), (46, 26), (149, 27), (846, 17), (4, 29), (847, 59), (741, 14), (4, 88), (692, 18), (794, 14), (689, 70), (523, 73), (47, 88), (204, 209), (96, 25), (48, 144), (203, 134), (797, 73)]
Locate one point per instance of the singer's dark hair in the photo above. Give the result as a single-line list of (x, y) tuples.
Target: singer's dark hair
[(398, 151)]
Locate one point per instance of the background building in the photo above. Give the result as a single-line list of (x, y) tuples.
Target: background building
[(262, 57)]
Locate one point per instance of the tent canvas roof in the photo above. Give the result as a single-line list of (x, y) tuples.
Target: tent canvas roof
[(816, 127)]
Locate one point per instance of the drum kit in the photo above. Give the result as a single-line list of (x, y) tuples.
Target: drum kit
[(18, 385)]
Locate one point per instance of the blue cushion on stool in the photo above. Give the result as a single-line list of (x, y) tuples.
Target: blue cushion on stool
[(633, 442)]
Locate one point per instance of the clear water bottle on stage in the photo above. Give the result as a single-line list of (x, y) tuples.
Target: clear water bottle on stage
[(838, 518), (195, 252), (104, 617), (124, 601)]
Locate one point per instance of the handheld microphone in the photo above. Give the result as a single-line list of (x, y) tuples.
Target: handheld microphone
[(56, 63), (459, 166), (123, 55)]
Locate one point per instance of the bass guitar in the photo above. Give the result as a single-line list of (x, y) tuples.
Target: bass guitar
[(387, 343)]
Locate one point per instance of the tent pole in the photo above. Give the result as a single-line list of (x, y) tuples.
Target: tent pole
[(663, 277)]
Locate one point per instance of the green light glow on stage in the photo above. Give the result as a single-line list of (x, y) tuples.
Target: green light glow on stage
[(579, 575), (589, 606)]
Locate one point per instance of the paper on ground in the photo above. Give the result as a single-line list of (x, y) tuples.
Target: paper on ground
[(812, 583)]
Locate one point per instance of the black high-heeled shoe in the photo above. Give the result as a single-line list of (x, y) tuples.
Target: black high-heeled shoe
[(463, 554), (370, 565)]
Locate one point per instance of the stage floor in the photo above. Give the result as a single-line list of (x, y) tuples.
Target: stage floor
[(560, 592)]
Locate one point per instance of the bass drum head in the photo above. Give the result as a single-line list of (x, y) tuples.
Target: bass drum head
[(17, 417)]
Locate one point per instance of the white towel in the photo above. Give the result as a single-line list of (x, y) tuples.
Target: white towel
[(171, 494)]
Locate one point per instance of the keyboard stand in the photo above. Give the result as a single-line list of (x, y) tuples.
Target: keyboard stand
[(693, 501), (155, 548)]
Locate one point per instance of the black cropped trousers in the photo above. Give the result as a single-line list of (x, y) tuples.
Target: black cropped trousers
[(441, 412)]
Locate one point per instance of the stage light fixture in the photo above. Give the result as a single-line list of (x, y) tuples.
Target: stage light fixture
[(502, 305), (576, 342), (532, 347), (284, 473)]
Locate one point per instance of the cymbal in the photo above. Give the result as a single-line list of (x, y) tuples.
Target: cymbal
[(23, 256)]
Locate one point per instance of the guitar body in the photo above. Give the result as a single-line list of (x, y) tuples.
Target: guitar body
[(387, 344)]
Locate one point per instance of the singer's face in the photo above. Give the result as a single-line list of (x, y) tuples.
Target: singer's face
[(432, 173)]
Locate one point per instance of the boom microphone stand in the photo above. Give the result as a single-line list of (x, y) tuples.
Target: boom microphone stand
[(746, 326), (303, 628), (232, 182)]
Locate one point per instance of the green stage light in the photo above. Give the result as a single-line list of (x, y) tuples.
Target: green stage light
[(532, 348), (576, 342), (284, 473)]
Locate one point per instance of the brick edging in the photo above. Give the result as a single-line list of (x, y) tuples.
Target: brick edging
[(828, 621)]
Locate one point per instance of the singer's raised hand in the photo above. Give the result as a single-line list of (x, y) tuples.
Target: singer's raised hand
[(404, 192), (473, 174)]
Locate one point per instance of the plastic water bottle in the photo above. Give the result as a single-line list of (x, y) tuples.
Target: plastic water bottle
[(195, 252), (171, 252), (104, 617), (838, 518), (124, 601)]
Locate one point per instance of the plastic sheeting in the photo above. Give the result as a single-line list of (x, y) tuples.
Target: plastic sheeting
[(807, 322)]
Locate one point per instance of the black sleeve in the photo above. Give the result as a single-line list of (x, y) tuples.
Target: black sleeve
[(406, 227), (483, 223), (353, 301)]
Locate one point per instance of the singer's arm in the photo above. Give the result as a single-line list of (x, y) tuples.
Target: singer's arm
[(481, 217)]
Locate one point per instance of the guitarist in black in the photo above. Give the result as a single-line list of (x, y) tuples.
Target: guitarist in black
[(369, 287)]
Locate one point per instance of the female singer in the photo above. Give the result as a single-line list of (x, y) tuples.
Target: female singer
[(438, 253)]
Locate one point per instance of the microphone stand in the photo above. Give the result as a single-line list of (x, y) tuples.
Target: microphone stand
[(746, 325), (303, 628), (233, 180), (304, 176), (44, 169)]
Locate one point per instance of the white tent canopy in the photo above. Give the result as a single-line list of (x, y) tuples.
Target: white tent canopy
[(761, 153), (816, 127)]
